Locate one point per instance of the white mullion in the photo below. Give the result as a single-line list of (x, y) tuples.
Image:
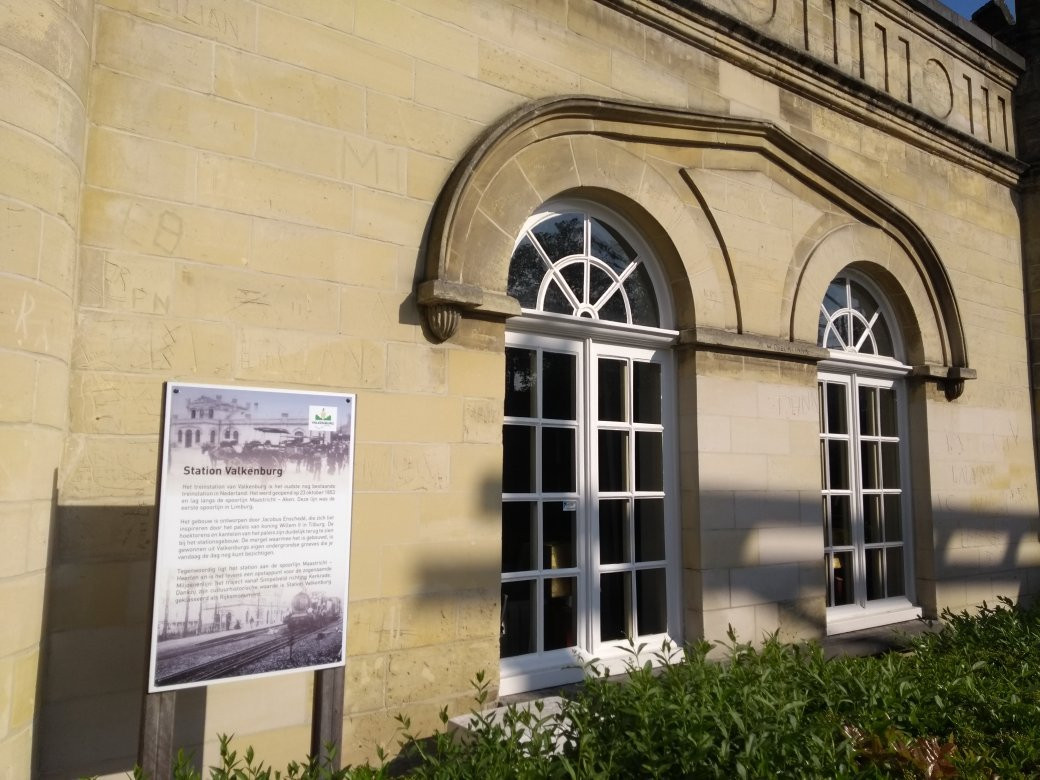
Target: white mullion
[(587, 545), (859, 559), (633, 624), (539, 579), (587, 245)]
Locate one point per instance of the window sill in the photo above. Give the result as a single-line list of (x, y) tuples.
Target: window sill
[(860, 619)]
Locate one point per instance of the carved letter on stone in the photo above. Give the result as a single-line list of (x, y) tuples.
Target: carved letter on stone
[(938, 88), (755, 11)]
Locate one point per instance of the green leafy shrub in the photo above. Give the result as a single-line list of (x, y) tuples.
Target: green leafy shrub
[(963, 702)]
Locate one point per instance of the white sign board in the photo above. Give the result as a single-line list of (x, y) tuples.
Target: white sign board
[(254, 534)]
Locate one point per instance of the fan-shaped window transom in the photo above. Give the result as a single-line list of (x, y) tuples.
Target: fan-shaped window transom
[(852, 321), (575, 264)]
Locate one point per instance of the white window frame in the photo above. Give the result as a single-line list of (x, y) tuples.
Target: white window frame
[(862, 613), (591, 339), (547, 668), (855, 370)]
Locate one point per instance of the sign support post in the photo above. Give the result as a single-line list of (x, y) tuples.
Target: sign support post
[(327, 717), (155, 751)]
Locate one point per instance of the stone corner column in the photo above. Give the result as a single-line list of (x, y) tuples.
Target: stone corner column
[(45, 63)]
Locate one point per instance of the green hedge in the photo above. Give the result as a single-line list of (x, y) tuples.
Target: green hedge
[(964, 702)]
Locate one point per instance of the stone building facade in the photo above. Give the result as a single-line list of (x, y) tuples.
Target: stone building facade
[(663, 316)]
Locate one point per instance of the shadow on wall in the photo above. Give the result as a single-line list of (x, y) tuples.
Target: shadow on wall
[(98, 602), (95, 655), (961, 557)]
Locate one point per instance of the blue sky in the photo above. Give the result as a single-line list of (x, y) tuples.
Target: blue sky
[(967, 7)]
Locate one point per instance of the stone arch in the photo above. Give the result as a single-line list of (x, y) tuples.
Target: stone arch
[(891, 267), (543, 155), (631, 157)]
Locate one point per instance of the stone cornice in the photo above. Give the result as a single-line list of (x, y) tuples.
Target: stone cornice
[(741, 44)]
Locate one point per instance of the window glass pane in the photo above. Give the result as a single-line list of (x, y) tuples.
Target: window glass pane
[(599, 283), (521, 383), (841, 579), (647, 390), (614, 308), (641, 298), (612, 382), (649, 460), (875, 574), (561, 617), (613, 530), (610, 246), (868, 421), (861, 300), (890, 461), (558, 386), (526, 270), (833, 342), (519, 535), (837, 408), (872, 522), (893, 518), (840, 519), (883, 337), (613, 461), (870, 465), (821, 328), (835, 297), (519, 613), (574, 274), (838, 465), (562, 235), (517, 459), (650, 529), (557, 536), (559, 467), (555, 301), (651, 602), (614, 605), (896, 581), (889, 424)]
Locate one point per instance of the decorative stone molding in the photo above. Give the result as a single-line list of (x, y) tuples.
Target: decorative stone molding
[(715, 340), (949, 378), (581, 145), (442, 319)]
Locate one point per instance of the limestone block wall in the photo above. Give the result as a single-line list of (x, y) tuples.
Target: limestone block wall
[(44, 67), (757, 564), (251, 203), (256, 187)]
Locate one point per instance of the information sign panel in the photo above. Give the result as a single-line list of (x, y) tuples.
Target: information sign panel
[(254, 534)]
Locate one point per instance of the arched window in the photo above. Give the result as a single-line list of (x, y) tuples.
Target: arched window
[(867, 529), (589, 529)]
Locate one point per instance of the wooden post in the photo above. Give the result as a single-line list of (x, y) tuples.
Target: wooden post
[(327, 717), (155, 751)]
